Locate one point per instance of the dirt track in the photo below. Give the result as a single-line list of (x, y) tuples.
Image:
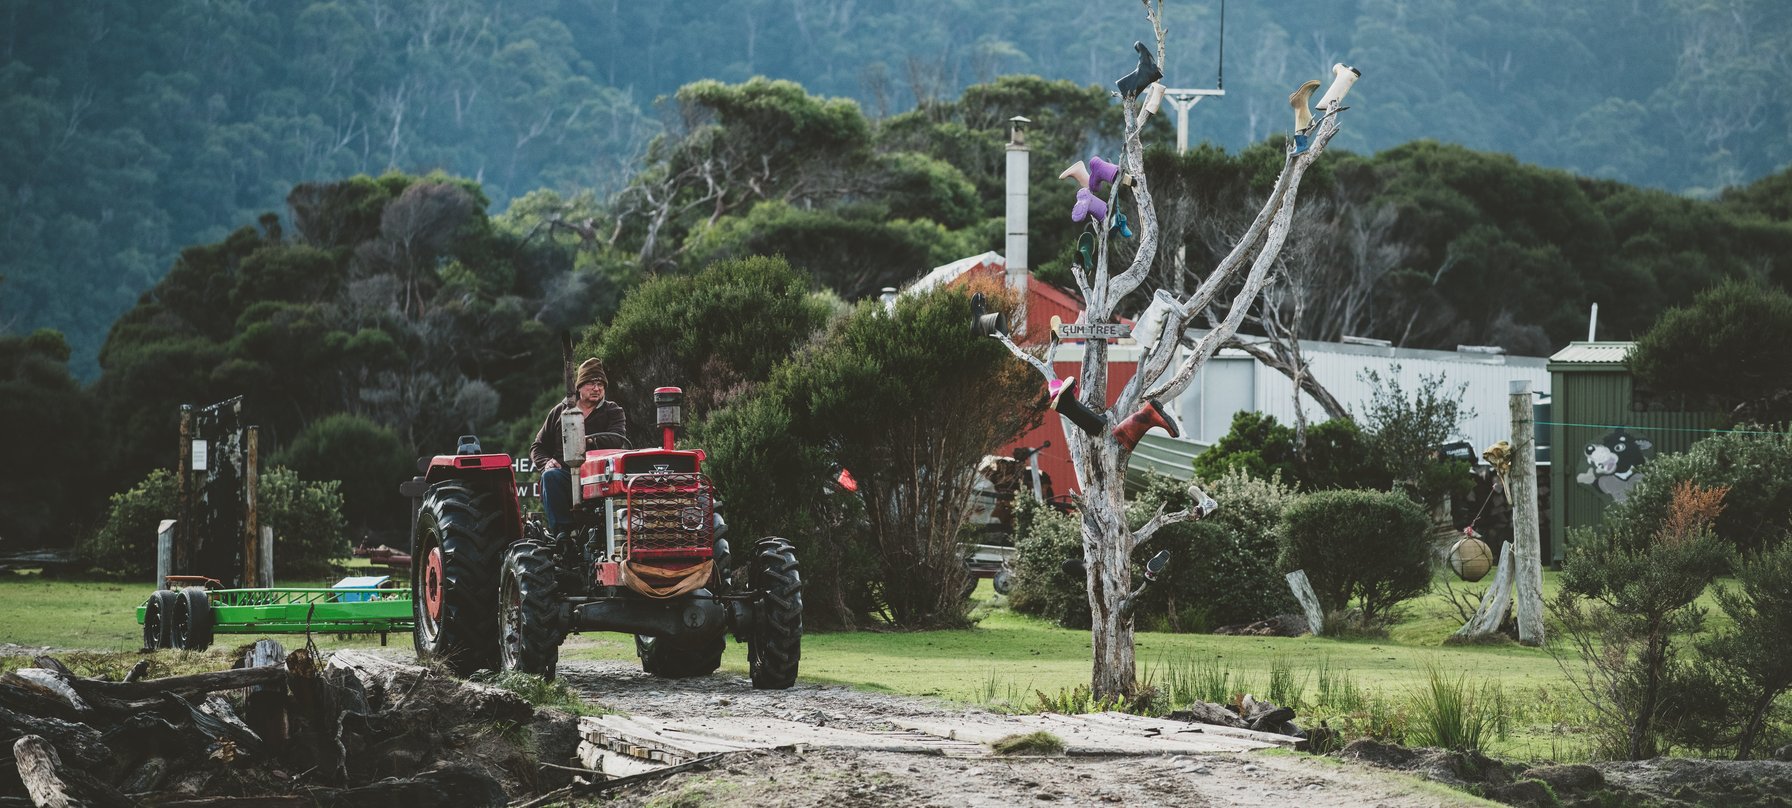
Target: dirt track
[(835, 778)]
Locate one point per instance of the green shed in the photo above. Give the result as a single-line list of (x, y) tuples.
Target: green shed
[(1603, 433)]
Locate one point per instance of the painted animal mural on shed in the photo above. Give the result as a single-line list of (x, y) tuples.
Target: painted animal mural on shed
[(1615, 464)]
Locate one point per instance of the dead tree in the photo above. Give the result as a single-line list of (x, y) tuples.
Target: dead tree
[(1097, 456)]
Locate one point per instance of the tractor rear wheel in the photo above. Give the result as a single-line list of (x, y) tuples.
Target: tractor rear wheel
[(455, 561), (680, 657), (529, 627), (776, 643), (193, 619), (158, 620)]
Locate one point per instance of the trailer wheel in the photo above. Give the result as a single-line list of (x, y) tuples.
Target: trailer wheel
[(528, 620), (454, 578), (680, 657), (776, 643), (1004, 581), (193, 620), (158, 620)]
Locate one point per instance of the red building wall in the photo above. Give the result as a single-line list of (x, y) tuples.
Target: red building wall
[(1043, 301)]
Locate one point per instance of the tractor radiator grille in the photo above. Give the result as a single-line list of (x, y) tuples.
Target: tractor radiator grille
[(670, 515)]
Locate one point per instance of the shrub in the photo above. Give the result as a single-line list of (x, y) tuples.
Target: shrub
[(1259, 447), (1402, 434), (1223, 568), (1756, 470), (1044, 538), (1644, 572), (367, 459), (1754, 656), (306, 517), (1370, 545), (909, 402)]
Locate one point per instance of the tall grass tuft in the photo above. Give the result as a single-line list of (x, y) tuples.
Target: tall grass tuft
[(1190, 679), (1336, 690), (1284, 689), (1448, 714)]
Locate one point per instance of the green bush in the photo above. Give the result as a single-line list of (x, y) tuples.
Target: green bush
[(306, 518), (1223, 568), (1751, 660), (909, 402), (1755, 467), (1043, 539), (1627, 597), (1373, 546), (368, 460), (1261, 448)]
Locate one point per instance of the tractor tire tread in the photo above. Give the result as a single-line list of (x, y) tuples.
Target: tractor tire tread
[(462, 518), (532, 564), (774, 647)]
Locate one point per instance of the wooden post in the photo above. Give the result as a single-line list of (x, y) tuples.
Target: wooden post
[(1495, 602), (1309, 600), (267, 555), (164, 552), (1522, 482), (183, 496), (252, 562)]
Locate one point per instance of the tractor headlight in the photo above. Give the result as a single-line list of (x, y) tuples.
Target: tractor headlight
[(690, 517)]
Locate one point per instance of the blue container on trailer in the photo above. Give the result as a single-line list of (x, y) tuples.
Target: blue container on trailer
[(362, 582)]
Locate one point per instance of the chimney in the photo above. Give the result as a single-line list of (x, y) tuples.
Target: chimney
[(1016, 247)]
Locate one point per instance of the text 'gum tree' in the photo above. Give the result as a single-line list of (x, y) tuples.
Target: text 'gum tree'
[(1099, 451)]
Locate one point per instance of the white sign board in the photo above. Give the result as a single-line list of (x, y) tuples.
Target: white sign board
[(199, 457), (1094, 330)]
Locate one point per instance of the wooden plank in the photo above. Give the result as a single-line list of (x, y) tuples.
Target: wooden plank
[(780, 734), (1182, 730), (1109, 734), (654, 740)]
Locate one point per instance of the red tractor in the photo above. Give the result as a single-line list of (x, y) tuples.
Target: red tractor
[(648, 557)]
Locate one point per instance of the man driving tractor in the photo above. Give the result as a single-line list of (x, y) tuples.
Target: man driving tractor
[(606, 426)]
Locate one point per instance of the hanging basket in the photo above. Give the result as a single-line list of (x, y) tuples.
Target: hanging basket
[(1470, 558)]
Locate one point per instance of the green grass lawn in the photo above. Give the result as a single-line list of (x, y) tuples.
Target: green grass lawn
[(1004, 661)]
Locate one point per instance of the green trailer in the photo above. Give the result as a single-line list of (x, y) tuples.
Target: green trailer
[(188, 618)]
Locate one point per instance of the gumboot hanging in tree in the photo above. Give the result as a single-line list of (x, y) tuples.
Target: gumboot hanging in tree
[(1098, 450)]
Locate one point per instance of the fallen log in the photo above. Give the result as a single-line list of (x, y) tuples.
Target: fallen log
[(51, 785), (79, 743), (237, 679), (51, 685), (1202, 712)]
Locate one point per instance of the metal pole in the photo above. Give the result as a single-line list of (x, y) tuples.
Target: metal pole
[(1523, 488)]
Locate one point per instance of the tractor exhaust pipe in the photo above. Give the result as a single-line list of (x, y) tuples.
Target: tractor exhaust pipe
[(668, 406)]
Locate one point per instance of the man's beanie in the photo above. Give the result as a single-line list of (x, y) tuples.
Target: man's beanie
[(591, 370)]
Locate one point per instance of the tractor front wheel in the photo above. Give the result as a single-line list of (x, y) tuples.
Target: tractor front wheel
[(776, 643), (680, 657), (454, 577), (529, 628), (193, 619)]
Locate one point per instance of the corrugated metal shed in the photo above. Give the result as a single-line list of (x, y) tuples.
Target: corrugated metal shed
[(1595, 396), (1340, 367)]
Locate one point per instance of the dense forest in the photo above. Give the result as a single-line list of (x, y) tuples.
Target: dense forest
[(374, 218), (129, 130)]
